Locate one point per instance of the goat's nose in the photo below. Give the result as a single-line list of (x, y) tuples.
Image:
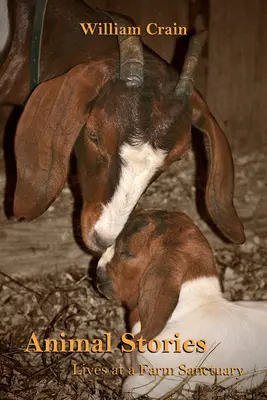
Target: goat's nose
[(104, 283), (99, 242)]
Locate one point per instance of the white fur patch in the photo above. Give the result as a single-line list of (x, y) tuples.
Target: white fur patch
[(106, 257), (234, 334), (4, 24), (196, 293), (140, 163)]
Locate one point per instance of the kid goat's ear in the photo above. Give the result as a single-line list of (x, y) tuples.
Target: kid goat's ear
[(183, 255), (158, 296)]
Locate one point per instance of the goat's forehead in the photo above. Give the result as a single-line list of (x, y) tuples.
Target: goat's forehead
[(151, 223), (139, 114), (137, 102), (134, 226), (161, 220), (157, 222)]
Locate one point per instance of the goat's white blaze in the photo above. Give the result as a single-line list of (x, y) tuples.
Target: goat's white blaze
[(106, 257), (139, 164), (4, 24)]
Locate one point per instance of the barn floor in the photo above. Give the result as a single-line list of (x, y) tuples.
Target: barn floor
[(45, 287)]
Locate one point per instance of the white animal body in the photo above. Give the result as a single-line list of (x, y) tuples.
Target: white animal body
[(235, 334)]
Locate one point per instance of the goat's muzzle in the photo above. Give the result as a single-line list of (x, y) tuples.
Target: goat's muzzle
[(96, 243), (104, 283), (99, 243)]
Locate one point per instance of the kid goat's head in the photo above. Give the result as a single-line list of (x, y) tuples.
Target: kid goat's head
[(126, 128), (155, 254)]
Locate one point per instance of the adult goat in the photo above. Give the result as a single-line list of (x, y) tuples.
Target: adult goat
[(127, 114)]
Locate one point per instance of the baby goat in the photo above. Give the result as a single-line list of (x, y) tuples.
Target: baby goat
[(162, 257)]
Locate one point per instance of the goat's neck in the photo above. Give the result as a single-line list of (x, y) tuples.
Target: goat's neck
[(193, 294), (197, 293)]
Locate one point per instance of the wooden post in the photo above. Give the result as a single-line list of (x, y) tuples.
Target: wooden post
[(198, 19), (237, 72)]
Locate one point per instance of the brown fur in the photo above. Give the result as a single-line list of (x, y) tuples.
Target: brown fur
[(167, 250), (220, 185), (63, 44), (46, 133)]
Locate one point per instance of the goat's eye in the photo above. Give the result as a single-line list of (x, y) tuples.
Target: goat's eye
[(92, 136), (126, 254)]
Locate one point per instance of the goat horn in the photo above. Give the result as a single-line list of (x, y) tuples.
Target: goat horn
[(185, 85), (131, 53)]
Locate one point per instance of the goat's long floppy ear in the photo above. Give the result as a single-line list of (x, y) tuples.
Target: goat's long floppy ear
[(220, 185), (185, 255), (159, 292), (46, 133)]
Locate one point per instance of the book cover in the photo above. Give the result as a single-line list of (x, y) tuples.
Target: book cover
[(133, 191)]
